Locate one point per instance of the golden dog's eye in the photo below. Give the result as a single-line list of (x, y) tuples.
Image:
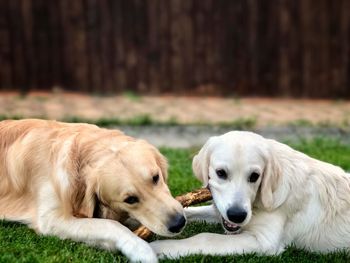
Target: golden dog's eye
[(155, 179), (131, 200), (253, 177), (221, 174)]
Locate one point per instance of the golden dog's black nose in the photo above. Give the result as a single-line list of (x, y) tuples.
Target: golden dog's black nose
[(177, 223), (236, 214)]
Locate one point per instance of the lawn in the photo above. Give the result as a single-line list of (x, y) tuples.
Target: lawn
[(20, 244)]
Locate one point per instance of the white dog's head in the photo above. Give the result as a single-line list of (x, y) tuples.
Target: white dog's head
[(240, 170)]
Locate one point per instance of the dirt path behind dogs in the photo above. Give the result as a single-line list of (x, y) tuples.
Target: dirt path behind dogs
[(182, 110)]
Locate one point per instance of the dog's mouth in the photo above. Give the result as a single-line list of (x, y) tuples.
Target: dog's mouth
[(230, 228)]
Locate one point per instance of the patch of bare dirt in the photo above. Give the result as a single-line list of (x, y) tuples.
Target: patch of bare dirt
[(183, 109)]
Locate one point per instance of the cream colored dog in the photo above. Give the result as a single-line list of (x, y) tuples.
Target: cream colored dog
[(81, 182), (275, 196)]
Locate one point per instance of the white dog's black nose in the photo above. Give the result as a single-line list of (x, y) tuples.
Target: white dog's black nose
[(177, 223), (236, 214)]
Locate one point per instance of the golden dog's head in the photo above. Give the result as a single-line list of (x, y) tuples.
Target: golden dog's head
[(130, 177)]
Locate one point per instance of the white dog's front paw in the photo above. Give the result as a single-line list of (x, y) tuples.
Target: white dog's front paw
[(138, 250), (163, 248)]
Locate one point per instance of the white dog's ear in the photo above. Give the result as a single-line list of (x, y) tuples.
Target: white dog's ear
[(201, 162), (270, 181)]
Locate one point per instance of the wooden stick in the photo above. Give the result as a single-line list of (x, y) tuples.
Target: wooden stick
[(195, 197), (192, 198)]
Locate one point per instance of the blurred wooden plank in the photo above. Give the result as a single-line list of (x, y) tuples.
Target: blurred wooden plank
[(175, 40), (295, 53), (164, 70), (345, 43), (93, 46), (181, 44), (31, 63), (56, 42), (6, 71), (17, 39), (188, 46), (240, 43), (253, 44), (324, 80), (289, 49), (200, 19), (284, 67), (314, 27), (268, 52), (140, 44), (130, 48), (41, 28), (216, 40), (153, 51), (75, 50), (339, 46), (106, 47), (118, 43), (306, 15)]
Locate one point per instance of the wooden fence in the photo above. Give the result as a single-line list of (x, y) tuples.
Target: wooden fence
[(297, 48)]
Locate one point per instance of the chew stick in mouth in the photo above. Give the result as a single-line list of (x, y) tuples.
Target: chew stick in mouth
[(192, 198)]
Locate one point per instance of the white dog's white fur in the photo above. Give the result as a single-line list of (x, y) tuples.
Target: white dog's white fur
[(296, 199)]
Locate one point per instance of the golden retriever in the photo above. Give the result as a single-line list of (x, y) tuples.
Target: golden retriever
[(267, 196), (82, 182)]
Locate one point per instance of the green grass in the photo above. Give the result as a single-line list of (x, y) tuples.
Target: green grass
[(244, 123), (143, 120), (20, 244), (132, 96), (109, 122), (240, 123), (301, 123)]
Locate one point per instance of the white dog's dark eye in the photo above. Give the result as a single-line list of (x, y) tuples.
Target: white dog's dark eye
[(131, 200), (155, 179), (253, 177), (221, 174)]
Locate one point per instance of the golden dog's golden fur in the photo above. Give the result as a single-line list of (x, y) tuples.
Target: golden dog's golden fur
[(56, 177)]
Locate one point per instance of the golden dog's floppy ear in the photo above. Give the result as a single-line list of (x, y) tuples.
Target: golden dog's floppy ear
[(82, 186), (162, 163), (83, 197), (270, 181), (201, 162)]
